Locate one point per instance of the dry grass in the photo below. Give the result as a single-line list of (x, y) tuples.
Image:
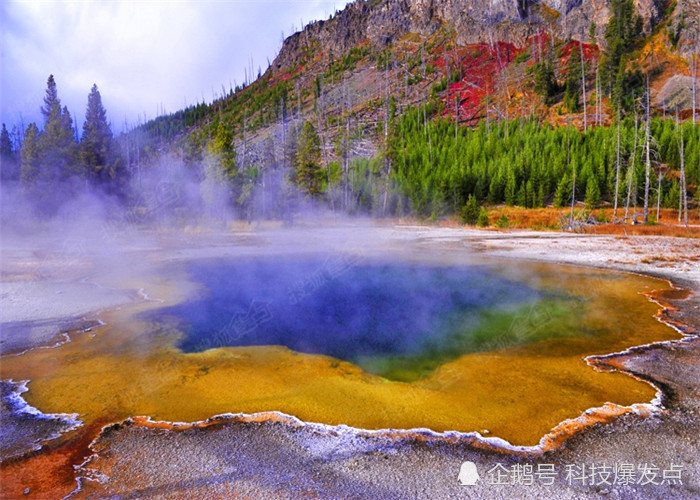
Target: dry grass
[(549, 219), (642, 230)]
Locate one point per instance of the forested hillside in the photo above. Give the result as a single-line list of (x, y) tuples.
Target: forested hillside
[(399, 108)]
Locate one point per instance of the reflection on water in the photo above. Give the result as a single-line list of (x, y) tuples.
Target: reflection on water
[(504, 356)]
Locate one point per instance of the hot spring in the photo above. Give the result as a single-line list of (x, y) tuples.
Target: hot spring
[(399, 319), (404, 336)]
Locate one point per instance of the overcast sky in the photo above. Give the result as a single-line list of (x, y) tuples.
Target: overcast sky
[(144, 56)]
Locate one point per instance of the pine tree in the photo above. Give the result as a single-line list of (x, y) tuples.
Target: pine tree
[(592, 198), (8, 163), (96, 144), (222, 147), (623, 28), (52, 104), (57, 144), (647, 151), (511, 188), (308, 173), (221, 179), (5, 143), (545, 81), (470, 211), (30, 155), (563, 192), (573, 83)]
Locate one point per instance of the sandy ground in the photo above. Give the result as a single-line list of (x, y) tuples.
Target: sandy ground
[(651, 456)]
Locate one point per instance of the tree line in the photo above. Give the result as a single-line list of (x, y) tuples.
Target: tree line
[(531, 164), (42, 158)]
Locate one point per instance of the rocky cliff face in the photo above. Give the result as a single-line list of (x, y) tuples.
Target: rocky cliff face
[(383, 21)]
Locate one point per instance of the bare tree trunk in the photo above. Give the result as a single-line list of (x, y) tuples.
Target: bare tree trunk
[(427, 134), (245, 137), (386, 100), (386, 135), (583, 85), (348, 128), (683, 202), (648, 155), (694, 76), (264, 194), (298, 88), (568, 141), (693, 63), (568, 162), (658, 197), (456, 116), (617, 169), (573, 199), (597, 115), (324, 153), (507, 94), (488, 122), (598, 97), (128, 147), (630, 168)]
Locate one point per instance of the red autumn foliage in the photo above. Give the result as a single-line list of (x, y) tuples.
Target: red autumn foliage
[(480, 66)]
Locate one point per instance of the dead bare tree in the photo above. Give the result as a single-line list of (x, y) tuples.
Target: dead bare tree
[(298, 89), (245, 136), (386, 135), (346, 143), (694, 78), (617, 168), (568, 160), (321, 120), (583, 85), (647, 140), (630, 167), (660, 173), (598, 103), (683, 202), (457, 96), (573, 197)]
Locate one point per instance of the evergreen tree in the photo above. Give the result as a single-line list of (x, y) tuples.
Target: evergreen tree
[(592, 33), (592, 198), (221, 177), (8, 163), (52, 104), (224, 150), (308, 173), (623, 29), (563, 192), (57, 144), (96, 144), (545, 81), (511, 187), (470, 211), (29, 154), (483, 219), (5, 143), (573, 83)]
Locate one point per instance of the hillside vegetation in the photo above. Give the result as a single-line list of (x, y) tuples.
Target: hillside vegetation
[(393, 108)]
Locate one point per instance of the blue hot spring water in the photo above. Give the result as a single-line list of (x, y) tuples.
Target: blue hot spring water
[(363, 312)]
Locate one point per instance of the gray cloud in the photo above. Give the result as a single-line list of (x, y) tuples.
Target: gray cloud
[(145, 56)]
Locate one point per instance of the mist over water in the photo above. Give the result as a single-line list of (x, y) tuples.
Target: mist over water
[(355, 309), (458, 340)]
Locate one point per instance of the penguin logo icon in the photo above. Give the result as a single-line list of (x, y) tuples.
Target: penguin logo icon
[(468, 475)]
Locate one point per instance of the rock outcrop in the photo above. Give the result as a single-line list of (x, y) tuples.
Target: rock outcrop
[(383, 21)]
